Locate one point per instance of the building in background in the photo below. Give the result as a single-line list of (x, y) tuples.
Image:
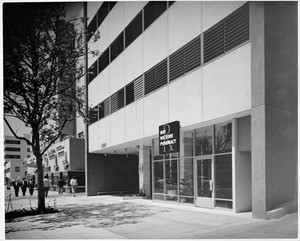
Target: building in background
[(223, 75)]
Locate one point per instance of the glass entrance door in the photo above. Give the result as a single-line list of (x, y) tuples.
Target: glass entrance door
[(204, 183)]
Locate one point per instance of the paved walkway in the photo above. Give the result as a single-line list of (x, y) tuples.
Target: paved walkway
[(108, 217)]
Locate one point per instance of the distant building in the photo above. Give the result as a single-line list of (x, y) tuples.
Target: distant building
[(15, 152)]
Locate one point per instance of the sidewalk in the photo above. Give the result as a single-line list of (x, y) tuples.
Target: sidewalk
[(108, 217)]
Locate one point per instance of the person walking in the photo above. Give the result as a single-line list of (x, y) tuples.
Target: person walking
[(46, 185), (61, 182), (31, 184), (24, 186), (73, 184), (16, 185)]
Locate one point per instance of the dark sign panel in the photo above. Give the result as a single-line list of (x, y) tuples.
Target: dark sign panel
[(169, 138)]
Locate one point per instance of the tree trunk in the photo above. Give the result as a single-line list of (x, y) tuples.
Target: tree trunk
[(39, 162)]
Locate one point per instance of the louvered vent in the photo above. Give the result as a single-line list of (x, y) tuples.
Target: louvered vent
[(117, 47), (93, 115), (129, 93), (102, 12), (121, 98), (192, 55), (101, 110), (103, 60), (138, 88), (150, 81), (114, 102), (93, 71), (134, 29), (107, 106), (152, 11), (214, 42), (161, 74), (237, 28), (176, 64)]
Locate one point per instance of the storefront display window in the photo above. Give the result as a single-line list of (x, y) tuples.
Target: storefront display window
[(186, 177), (223, 177), (203, 141), (223, 139), (158, 177), (188, 143), (171, 177)]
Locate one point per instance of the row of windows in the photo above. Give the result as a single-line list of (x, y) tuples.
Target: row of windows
[(12, 142), (12, 149), (101, 14), (12, 157), (134, 29), (180, 63)]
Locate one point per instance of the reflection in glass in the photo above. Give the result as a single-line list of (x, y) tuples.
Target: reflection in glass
[(204, 178), (204, 141), (188, 143), (186, 200), (223, 179), (186, 177), (171, 177), (156, 150), (223, 139), (158, 177)]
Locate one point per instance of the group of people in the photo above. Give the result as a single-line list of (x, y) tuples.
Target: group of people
[(61, 182), (23, 185)]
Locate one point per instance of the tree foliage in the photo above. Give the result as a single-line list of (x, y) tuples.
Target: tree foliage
[(43, 63)]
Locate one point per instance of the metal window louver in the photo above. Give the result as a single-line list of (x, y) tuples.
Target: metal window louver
[(176, 65), (117, 46), (129, 93), (161, 74), (138, 88), (152, 11), (192, 55), (103, 60), (102, 12), (150, 81), (214, 42), (114, 102), (93, 72), (133, 29), (101, 110), (107, 107), (121, 98), (237, 28)]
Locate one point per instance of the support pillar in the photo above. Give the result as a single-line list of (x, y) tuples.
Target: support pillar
[(145, 169)]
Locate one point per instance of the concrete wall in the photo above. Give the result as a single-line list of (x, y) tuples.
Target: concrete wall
[(112, 173), (274, 104)]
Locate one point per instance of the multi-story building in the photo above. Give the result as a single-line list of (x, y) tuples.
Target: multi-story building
[(195, 102), (15, 152)]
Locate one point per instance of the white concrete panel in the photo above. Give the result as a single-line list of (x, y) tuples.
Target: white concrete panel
[(116, 20), (103, 133), (117, 74), (131, 9), (134, 60), (155, 42), (94, 137), (214, 11), (103, 85), (117, 127), (184, 23), (93, 93), (92, 8), (185, 99), (155, 111), (227, 84), (134, 120)]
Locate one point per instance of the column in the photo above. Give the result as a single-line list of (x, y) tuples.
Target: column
[(145, 169)]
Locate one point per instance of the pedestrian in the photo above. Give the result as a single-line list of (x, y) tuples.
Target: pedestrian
[(61, 182), (24, 186), (46, 185), (31, 184), (73, 184), (16, 185)]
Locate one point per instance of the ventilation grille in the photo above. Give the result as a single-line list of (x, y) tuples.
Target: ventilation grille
[(161, 74), (192, 55), (106, 107), (176, 64), (139, 88), (117, 47), (93, 71), (121, 98), (114, 102), (150, 81), (237, 28), (102, 12), (103, 60), (152, 11), (129, 93), (134, 29)]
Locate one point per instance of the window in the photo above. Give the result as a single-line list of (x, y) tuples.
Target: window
[(129, 93), (93, 115), (12, 156), (176, 65), (117, 47), (12, 142), (13, 149), (117, 100), (93, 71), (203, 141), (106, 107), (80, 135), (28, 150), (92, 27), (103, 60), (223, 138), (17, 169), (133, 29), (152, 11), (150, 81), (102, 12)]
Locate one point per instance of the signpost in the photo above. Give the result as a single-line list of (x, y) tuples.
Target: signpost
[(169, 138)]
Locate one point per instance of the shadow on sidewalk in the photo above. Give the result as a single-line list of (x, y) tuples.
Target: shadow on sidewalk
[(91, 215)]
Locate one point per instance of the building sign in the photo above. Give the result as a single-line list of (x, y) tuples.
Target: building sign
[(169, 138)]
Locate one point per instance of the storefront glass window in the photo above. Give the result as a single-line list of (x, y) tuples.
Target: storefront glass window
[(186, 187), (158, 177), (156, 151), (203, 141), (171, 177), (223, 139), (188, 143), (223, 177)]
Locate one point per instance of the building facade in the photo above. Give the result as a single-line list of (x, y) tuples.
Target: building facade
[(15, 152), (224, 72)]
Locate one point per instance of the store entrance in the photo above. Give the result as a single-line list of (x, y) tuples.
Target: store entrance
[(204, 183)]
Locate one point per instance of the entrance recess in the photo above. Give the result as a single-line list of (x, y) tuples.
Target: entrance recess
[(204, 183)]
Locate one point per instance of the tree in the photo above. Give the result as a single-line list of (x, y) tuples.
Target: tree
[(43, 56)]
